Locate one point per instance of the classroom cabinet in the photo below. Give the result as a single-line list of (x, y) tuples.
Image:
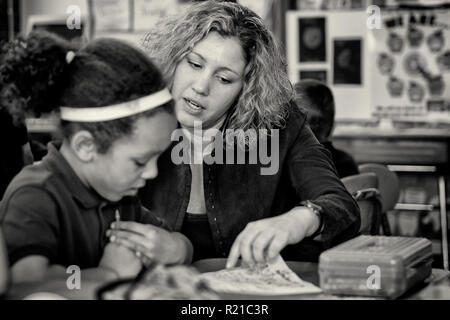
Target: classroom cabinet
[(421, 160)]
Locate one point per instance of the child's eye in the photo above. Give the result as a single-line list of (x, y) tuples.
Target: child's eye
[(139, 163)]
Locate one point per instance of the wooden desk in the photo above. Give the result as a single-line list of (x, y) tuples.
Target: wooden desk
[(306, 270), (40, 290)]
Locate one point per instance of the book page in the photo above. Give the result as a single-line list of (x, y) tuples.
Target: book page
[(274, 278)]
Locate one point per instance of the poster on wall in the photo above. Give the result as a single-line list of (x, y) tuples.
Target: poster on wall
[(347, 62), (148, 12), (312, 40), (411, 73), (111, 15), (136, 16), (319, 75)]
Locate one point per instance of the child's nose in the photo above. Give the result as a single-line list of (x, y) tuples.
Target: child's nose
[(150, 171)]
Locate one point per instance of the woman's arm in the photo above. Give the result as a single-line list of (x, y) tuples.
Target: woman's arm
[(263, 240), (314, 178)]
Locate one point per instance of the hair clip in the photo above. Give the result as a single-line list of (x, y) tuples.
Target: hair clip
[(69, 56)]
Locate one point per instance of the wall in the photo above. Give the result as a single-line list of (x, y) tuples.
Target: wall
[(59, 7), (352, 101)]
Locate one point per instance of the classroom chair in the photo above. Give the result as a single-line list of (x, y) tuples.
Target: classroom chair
[(364, 188), (388, 185)]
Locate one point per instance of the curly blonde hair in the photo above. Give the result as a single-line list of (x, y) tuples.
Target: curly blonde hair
[(263, 101)]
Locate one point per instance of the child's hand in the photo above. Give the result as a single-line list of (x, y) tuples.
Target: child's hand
[(151, 243), (121, 260)]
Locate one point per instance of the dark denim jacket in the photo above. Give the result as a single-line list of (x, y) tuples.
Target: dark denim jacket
[(236, 194)]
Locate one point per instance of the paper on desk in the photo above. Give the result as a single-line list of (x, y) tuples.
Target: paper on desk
[(273, 278)]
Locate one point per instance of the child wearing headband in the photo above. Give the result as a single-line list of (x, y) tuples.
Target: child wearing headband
[(116, 119)]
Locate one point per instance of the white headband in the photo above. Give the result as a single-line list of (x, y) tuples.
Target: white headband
[(116, 111)]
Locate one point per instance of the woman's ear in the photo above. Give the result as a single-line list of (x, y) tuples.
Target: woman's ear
[(83, 146)]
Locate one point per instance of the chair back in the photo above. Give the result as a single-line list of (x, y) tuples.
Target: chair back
[(364, 188), (388, 184)]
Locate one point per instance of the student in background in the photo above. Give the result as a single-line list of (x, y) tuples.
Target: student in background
[(116, 119), (317, 99)]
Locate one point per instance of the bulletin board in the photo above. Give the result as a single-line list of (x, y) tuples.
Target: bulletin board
[(399, 71), (411, 73), (111, 15), (130, 19)]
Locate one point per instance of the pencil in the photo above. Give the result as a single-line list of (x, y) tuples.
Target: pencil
[(117, 219)]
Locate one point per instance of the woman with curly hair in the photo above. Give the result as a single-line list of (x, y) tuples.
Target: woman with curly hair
[(227, 75)]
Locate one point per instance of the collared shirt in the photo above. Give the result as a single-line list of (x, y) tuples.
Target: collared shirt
[(236, 194), (48, 211)]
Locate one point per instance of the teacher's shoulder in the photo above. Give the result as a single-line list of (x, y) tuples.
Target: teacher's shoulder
[(294, 120)]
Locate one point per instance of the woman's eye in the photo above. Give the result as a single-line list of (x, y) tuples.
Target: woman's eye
[(224, 80), (194, 65)]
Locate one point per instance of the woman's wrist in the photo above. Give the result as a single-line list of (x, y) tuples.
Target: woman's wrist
[(304, 222), (315, 224), (317, 211)]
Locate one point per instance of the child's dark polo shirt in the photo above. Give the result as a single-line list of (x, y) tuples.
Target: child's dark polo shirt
[(48, 211)]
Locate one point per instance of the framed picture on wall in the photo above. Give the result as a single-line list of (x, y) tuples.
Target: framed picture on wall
[(312, 40), (319, 75), (111, 15), (347, 61), (148, 12)]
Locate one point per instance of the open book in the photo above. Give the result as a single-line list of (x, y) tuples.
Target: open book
[(274, 278)]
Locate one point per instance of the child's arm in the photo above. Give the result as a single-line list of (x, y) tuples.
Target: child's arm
[(117, 261), (35, 268), (44, 277)]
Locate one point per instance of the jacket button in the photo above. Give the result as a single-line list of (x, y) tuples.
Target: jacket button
[(212, 206)]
